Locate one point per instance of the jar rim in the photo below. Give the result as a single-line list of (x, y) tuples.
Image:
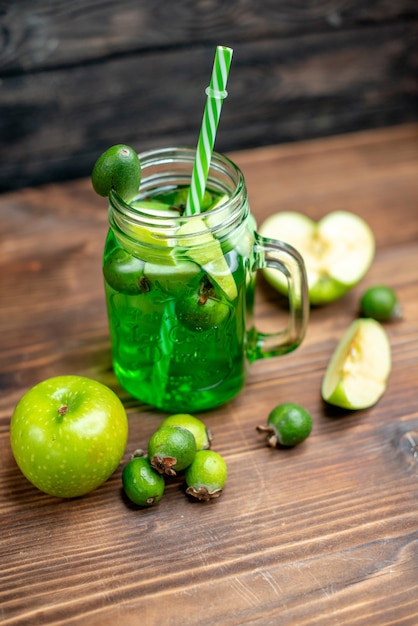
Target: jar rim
[(159, 164)]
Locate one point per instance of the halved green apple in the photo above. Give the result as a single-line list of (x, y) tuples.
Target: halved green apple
[(337, 251), (357, 373)]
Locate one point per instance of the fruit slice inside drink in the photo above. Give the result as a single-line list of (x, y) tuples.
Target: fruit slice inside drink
[(177, 326)]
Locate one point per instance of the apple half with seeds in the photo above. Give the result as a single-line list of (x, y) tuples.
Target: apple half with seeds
[(337, 251), (359, 368)]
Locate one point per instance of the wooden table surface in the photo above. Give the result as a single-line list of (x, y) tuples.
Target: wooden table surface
[(324, 533)]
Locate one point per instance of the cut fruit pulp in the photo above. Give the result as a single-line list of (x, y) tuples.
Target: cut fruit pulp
[(358, 370), (337, 251)]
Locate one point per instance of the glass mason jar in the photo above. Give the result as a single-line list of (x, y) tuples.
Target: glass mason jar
[(180, 289)]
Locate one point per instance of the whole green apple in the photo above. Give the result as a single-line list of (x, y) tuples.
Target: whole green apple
[(68, 435)]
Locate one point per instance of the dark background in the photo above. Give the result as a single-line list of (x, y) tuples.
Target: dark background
[(79, 76)]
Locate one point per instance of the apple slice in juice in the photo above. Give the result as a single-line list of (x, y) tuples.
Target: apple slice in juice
[(204, 249), (139, 240), (155, 208), (172, 279)]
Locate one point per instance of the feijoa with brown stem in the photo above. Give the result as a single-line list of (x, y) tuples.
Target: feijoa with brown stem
[(202, 309), (206, 476), (171, 449), (288, 424)]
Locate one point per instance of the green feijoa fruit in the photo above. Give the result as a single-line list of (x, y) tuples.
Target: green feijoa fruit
[(171, 449), (288, 424), (125, 273), (141, 483), (380, 303), (201, 433), (206, 476), (117, 168), (203, 308)]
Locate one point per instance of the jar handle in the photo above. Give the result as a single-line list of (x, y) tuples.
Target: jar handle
[(283, 258)]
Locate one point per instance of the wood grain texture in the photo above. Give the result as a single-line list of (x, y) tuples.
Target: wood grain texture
[(40, 34), (322, 534), (77, 77)]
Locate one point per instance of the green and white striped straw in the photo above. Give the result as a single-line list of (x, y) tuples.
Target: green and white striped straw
[(216, 93)]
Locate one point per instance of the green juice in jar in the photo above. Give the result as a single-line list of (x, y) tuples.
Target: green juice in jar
[(176, 335), (180, 287)]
